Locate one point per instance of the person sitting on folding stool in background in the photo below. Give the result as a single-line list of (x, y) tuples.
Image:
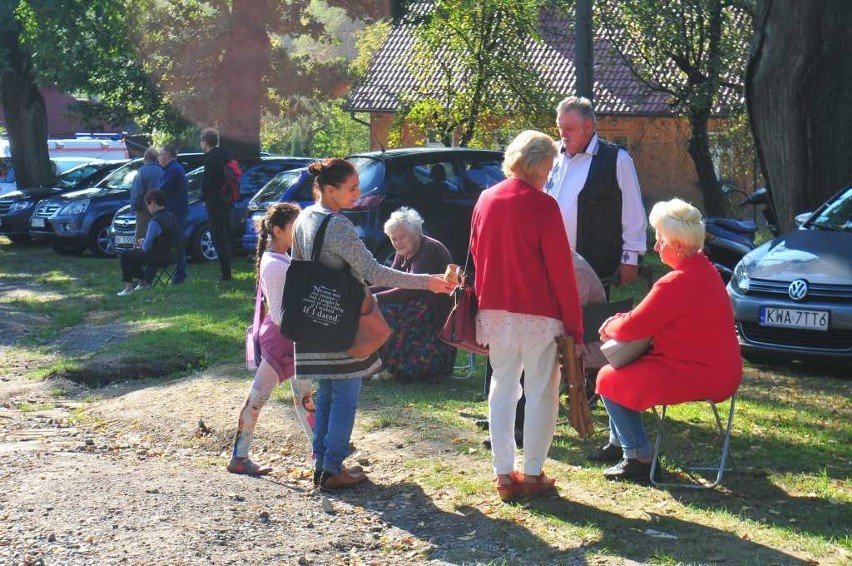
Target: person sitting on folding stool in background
[(160, 246)]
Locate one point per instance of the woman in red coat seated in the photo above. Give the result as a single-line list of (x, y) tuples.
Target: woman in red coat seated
[(695, 354)]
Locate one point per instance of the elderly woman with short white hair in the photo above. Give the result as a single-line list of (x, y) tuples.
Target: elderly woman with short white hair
[(414, 351), (527, 296), (695, 353)]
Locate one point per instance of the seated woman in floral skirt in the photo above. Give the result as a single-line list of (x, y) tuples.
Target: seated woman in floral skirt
[(414, 351)]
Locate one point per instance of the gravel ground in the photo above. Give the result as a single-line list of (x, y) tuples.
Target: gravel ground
[(137, 477)]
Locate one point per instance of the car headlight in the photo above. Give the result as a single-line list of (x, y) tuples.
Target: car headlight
[(740, 279), (20, 205), (76, 207)]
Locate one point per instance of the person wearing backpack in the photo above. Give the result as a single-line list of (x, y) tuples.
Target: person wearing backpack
[(219, 191)]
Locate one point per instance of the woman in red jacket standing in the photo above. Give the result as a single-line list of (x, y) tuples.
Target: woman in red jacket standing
[(527, 296), (695, 354)]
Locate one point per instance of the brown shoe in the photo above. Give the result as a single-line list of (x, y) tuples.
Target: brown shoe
[(353, 470), (343, 480)]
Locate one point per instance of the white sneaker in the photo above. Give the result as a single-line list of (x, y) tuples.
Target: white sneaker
[(124, 292), (141, 287)]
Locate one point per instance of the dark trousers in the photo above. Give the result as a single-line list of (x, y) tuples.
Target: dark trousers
[(522, 402), (140, 265), (220, 230)]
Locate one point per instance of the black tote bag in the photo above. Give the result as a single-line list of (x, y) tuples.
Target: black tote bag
[(321, 305)]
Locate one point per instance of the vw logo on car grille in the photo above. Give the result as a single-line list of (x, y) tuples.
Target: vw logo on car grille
[(798, 289)]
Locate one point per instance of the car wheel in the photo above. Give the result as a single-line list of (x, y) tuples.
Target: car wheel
[(201, 246), (100, 244), (19, 238), (68, 248)]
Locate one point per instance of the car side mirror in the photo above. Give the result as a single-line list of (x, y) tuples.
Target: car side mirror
[(801, 218)]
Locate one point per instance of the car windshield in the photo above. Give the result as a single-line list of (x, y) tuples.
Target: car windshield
[(193, 183), (836, 216), (371, 173), (272, 191), (73, 176), (122, 178)]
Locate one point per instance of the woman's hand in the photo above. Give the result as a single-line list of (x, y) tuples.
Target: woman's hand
[(604, 336), (437, 284)]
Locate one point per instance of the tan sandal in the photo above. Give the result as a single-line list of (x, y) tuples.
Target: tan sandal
[(510, 491), (539, 485)]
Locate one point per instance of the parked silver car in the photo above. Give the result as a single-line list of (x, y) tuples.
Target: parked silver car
[(792, 297)]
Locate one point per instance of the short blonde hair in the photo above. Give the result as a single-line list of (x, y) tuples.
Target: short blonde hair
[(526, 152), (677, 220), (407, 218)]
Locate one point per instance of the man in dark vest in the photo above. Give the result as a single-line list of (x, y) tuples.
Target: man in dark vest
[(596, 186), (160, 246)]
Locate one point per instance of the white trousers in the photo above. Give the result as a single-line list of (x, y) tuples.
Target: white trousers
[(537, 359)]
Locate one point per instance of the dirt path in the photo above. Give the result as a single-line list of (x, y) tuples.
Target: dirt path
[(133, 477)]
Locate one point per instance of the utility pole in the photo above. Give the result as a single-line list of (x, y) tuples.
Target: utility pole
[(584, 53)]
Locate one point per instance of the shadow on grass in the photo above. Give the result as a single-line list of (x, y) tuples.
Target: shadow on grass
[(468, 535), (751, 490)]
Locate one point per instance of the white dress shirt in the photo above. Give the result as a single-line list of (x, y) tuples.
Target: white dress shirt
[(567, 179)]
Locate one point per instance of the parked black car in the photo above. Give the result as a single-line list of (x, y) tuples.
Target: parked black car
[(442, 184), (256, 174), (17, 207), (78, 220)]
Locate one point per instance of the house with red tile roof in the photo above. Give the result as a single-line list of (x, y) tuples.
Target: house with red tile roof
[(628, 111)]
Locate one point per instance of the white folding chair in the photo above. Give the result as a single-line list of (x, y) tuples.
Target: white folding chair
[(701, 481)]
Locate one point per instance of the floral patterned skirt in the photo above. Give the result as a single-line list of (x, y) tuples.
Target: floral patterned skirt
[(414, 351)]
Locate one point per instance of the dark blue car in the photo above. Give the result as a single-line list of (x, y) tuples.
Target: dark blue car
[(288, 186), (255, 174), (442, 184), (80, 220), (17, 207)]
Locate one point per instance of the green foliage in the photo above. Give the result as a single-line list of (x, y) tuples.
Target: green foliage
[(469, 63), (367, 42), (692, 50), (319, 129), (83, 47)]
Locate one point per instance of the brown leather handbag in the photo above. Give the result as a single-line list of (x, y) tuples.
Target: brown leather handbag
[(571, 368), (373, 330)]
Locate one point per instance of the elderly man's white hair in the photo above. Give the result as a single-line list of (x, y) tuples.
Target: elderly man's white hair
[(407, 218)]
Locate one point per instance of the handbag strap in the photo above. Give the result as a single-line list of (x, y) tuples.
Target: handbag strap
[(320, 237), (467, 258), (259, 308)]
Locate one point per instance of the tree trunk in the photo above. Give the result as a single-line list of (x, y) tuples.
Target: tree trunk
[(699, 150), (798, 87), (244, 64), (26, 115)]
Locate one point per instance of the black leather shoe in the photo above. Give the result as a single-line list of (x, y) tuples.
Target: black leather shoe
[(629, 469), (607, 453)]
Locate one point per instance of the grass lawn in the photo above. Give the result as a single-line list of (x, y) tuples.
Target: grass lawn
[(789, 500)]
